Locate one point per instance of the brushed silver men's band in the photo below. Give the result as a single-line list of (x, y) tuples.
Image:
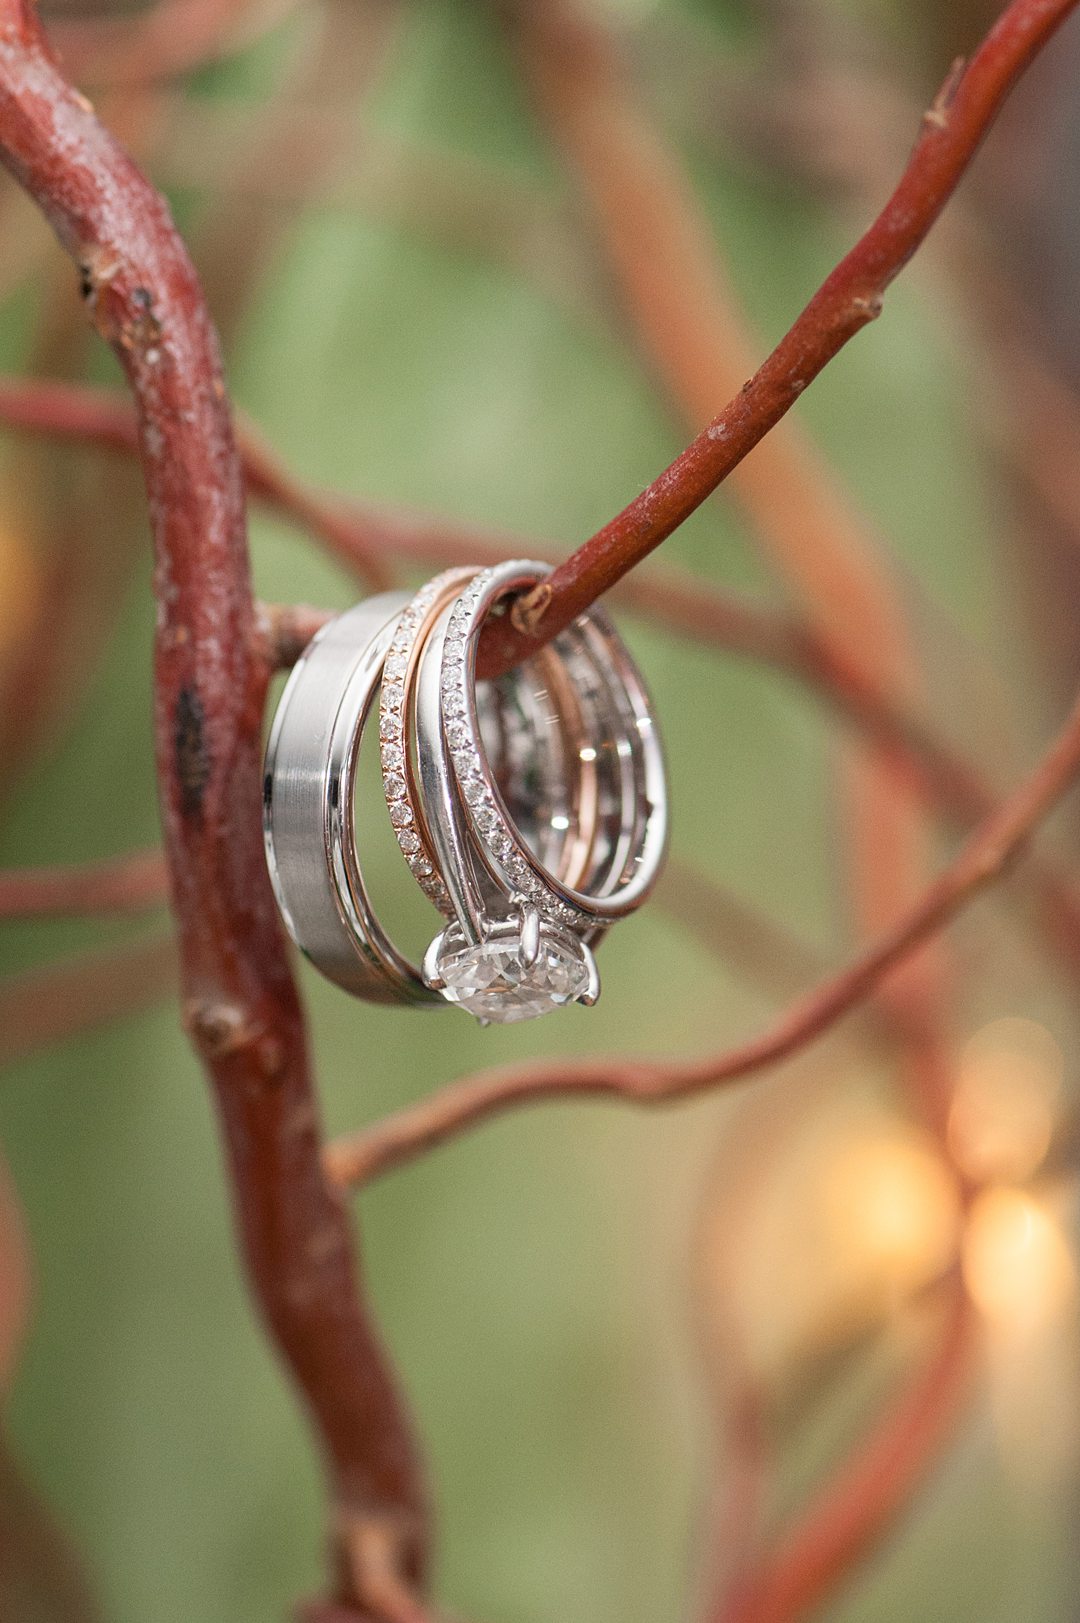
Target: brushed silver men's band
[(308, 806)]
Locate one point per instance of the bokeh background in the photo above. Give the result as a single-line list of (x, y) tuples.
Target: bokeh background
[(413, 312)]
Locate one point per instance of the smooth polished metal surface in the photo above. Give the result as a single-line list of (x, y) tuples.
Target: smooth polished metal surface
[(308, 807)]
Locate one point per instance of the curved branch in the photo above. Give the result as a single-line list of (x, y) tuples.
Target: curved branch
[(997, 843), (952, 131), (240, 1001), (860, 1504)]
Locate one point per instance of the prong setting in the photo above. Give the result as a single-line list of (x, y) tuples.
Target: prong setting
[(530, 937), (591, 995)]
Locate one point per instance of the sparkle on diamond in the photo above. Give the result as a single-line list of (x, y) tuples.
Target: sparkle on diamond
[(489, 979)]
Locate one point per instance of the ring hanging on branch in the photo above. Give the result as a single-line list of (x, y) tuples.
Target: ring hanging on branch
[(212, 663), (852, 296), (532, 811)]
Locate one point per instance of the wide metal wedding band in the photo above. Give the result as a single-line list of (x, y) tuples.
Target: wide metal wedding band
[(311, 821), (308, 807)]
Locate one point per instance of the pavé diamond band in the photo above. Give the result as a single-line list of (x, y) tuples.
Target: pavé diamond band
[(521, 936)]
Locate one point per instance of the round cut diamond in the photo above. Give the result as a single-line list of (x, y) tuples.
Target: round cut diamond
[(491, 981)]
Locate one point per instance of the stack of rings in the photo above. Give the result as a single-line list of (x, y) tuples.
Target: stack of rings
[(531, 811)]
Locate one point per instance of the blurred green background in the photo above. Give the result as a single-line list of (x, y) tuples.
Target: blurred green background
[(534, 1280)]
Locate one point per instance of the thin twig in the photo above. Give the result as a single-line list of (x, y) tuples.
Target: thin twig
[(686, 319), (952, 130), (860, 1504), (42, 1007), (362, 534), (129, 884), (170, 38), (668, 597), (995, 845)]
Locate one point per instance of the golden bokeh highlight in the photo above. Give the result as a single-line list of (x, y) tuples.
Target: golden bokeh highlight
[(852, 1220), (892, 1207), (1017, 1264), (1007, 1100)]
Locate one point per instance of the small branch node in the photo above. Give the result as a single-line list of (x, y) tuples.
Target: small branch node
[(218, 1028), (868, 306), (528, 611), (374, 1553), (936, 116)]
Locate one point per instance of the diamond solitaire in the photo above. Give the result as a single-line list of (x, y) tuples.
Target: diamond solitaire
[(517, 972)]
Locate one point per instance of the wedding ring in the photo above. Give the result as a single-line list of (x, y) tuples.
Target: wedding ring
[(309, 807), (532, 810), (521, 934), (496, 958), (596, 657), (534, 714)]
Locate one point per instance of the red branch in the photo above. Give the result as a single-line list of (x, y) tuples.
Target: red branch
[(851, 296), (127, 884), (997, 843), (860, 1505), (62, 1000), (240, 1001)]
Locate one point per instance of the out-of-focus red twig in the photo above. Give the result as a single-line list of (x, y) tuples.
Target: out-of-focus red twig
[(860, 1504), (952, 131), (241, 1004), (128, 884), (45, 1006), (994, 846), (774, 958), (363, 536), (40, 1575), (101, 417), (170, 38)]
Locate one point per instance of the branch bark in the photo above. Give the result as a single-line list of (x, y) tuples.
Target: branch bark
[(953, 128), (240, 1001), (996, 844)]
